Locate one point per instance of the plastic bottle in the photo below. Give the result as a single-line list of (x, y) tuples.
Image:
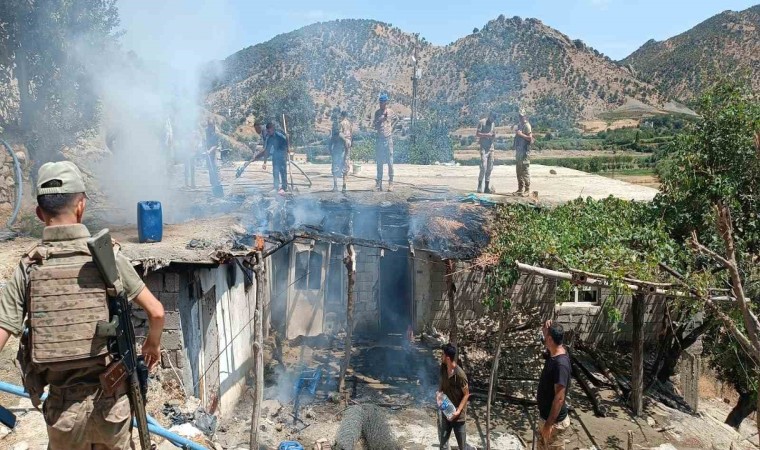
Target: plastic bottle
[(447, 407)]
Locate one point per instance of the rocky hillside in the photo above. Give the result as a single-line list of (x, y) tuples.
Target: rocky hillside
[(515, 61), (343, 63), (509, 62), (727, 44)]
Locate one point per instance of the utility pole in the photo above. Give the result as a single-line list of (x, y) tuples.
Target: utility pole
[(415, 79)]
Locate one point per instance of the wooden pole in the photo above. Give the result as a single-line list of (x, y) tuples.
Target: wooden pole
[(258, 353), (494, 373), (630, 440), (350, 262), (450, 291), (643, 286), (637, 368)]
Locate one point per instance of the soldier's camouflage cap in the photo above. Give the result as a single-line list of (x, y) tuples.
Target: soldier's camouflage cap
[(66, 172)]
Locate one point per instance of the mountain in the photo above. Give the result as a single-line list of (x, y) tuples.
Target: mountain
[(509, 63), (727, 44)]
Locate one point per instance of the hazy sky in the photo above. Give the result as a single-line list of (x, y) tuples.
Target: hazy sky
[(218, 28)]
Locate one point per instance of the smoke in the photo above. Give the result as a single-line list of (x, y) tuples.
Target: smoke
[(154, 79)]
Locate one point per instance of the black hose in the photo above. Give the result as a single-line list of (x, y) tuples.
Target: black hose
[(19, 184)]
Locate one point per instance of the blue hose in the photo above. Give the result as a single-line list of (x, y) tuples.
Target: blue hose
[(153, 425), (19, 184)]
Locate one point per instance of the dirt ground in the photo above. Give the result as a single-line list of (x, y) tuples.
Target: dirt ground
[(651, 181), (553, 184), (509, 155), (403, 386)]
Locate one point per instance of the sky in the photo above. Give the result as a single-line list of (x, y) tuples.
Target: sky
[(219, 28)]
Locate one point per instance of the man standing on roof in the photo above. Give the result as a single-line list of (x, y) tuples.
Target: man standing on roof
[(486, 134), (383, 121), (523, 140), (212, 145), (340, 149), (54, 301), (277, 148)]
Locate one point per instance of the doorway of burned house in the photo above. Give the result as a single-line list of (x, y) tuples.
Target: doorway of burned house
[(279, 288), (395, 277)]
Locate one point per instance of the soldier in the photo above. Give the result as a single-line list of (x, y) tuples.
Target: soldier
[(340, 150), (56, 297), (383, 121), (523, 140), (486, 133)]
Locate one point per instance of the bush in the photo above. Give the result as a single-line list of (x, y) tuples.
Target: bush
[(363, 151)]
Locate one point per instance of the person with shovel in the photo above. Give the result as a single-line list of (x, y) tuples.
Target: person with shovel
[(277, 148)]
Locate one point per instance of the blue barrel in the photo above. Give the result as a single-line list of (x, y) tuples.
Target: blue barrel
[(150, 221), (290, 445)]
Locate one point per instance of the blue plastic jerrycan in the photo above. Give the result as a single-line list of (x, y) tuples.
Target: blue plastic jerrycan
[(150, 221), (290, 445)]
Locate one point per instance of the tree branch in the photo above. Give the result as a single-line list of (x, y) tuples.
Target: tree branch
[(725, 229), (743, 341)]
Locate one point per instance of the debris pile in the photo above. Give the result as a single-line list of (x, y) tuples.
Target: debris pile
[(367, 422)]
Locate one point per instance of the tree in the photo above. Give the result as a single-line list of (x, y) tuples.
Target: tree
[(291, 98), (613, 237), (717, 161), (41, 42)]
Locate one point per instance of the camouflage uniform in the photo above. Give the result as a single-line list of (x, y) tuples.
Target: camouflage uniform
[(522, 157), (78, 414), (557, 439), (340, 148), (384, 143), (486, 153)]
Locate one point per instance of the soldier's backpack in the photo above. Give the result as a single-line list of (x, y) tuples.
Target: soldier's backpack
[(65, 299)]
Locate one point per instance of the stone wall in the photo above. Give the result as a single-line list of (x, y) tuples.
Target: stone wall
[(8, 180), (591, 323), (165, 286), (431, 297)]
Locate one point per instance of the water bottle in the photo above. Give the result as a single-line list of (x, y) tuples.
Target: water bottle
[(447, 407)]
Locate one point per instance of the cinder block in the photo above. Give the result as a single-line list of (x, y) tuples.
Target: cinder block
[(172, 321), (171, 340), (165, 357), (170, 300), (171, 282), (179, 359), (155, 282)]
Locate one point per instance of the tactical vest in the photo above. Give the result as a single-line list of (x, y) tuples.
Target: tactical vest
[(65, 299)]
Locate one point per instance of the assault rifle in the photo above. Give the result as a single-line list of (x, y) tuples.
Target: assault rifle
[(127, 366)]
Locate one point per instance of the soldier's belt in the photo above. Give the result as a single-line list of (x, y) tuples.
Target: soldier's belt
[(76, 393)]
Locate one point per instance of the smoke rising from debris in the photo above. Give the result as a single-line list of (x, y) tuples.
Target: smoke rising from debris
[(155, 80)]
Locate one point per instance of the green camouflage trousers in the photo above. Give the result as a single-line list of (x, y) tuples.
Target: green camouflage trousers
[(80, 419)]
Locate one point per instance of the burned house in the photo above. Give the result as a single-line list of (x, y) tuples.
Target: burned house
[(209, 298), (401, 249), (413, 256)]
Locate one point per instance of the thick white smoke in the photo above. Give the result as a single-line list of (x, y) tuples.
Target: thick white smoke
[(153, 78)]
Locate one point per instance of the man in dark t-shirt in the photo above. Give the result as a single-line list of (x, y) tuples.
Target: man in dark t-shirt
[(276, 146), (454, 385), (553, 385)]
